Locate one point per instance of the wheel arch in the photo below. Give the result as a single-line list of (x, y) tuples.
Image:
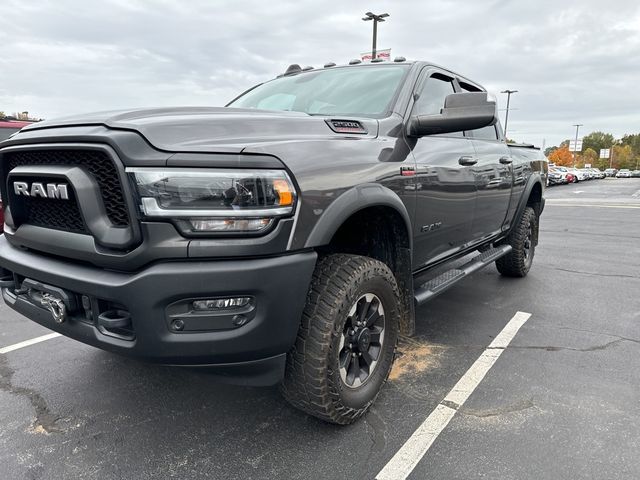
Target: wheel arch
[(349, 203), (372, 221), (533, 196)]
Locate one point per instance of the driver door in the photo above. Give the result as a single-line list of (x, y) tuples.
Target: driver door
[(445, 183)]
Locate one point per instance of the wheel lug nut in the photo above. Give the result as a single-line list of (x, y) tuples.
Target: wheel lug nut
[(359, 354)]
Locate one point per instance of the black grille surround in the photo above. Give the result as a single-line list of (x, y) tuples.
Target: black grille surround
[(53, 214)]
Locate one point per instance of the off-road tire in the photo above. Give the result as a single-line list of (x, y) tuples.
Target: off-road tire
[(312, 380), (517, 263)]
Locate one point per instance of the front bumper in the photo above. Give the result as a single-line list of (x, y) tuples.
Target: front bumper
[(278, 285)]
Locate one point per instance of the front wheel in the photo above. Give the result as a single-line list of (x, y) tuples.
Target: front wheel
[(346, 342), (517, 263)]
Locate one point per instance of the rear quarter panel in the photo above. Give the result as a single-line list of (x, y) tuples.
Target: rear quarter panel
[(529, 166)]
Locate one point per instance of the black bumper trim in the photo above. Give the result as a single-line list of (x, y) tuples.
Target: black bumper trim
[(279, 285)]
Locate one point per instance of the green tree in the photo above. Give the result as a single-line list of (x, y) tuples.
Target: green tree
[(589, 155), (597, 141), (549, 150), (623, 157), (633, 141)]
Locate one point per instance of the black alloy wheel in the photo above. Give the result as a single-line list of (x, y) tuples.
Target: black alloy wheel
[(362, 340)]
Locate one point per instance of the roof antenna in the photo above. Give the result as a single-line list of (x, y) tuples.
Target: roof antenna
[(293, 69)]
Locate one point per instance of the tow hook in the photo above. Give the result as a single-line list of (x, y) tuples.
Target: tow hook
[(56, 306)]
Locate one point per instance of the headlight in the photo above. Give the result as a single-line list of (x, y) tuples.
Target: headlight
[(215, 200)]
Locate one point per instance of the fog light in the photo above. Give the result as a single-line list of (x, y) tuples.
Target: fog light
[(221, 303), (228, 224)]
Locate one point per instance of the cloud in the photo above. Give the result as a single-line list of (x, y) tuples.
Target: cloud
[(571, 63)]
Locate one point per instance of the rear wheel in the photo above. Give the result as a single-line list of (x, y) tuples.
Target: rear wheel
[(517, 263), (346, 342)]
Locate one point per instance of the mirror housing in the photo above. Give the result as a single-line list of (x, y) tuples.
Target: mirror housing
[(461, 112)]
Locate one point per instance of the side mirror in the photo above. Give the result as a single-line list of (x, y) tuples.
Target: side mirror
[(462, 111)]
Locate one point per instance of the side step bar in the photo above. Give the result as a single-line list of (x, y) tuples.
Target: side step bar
[(439, 284)]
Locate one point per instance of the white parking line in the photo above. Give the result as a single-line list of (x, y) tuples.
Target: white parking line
[(406, 459), (28, 343), (602, 205)]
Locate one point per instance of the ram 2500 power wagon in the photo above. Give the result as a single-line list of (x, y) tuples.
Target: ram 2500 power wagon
[(285, 238)]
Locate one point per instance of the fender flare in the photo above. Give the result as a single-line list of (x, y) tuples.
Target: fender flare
[(534, 179), (350, 202)]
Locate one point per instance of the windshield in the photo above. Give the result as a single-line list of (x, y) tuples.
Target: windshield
[(360, 91)]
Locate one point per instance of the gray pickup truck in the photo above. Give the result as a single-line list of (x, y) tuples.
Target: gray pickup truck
[(286, 238)]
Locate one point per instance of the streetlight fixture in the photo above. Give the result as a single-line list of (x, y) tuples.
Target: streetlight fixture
[(575, 146), (506, 119), (376, 18)]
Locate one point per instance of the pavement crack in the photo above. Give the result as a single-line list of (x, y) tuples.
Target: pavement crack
[(592, 274), (46, 421), (627, 339), (450, 404), (566, 230), (377, 429), (552, 348), (494, 412)]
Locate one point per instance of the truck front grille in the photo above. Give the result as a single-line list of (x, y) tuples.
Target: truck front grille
[(54, 214)]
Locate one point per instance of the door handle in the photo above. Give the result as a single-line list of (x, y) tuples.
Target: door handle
[(467, 160), (506, 160)]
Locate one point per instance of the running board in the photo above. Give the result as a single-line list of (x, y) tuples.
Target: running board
[(439, 284)]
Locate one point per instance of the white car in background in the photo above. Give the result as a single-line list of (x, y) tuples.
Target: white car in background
[(579, 174), (624, 173)]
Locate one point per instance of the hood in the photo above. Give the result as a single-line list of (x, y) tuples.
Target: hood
[(212, 129)]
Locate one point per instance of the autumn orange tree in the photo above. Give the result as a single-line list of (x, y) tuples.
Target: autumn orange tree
[(561, 156)]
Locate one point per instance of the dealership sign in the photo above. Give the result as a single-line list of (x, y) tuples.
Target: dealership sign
[(575, 146), (383, 54)]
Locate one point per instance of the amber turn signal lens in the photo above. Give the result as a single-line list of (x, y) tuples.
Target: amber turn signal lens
[(283, 189)]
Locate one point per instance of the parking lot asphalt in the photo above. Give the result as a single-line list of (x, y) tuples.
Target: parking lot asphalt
[(560, 402)]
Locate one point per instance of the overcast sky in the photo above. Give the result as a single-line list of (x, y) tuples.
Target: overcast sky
[(572, 62)]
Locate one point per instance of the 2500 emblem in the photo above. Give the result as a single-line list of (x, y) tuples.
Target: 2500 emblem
[(50, 190)]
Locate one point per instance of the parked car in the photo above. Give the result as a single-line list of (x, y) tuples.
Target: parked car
[(201, 252), (588, 174), (570, 177), (598, 173), (610, 172), (556, 177), (624, 173), (579, 174), (635, 173)]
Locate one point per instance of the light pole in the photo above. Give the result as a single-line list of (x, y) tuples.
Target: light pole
[(376, 19), (611, 156), (506, 118), (575, 146)]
